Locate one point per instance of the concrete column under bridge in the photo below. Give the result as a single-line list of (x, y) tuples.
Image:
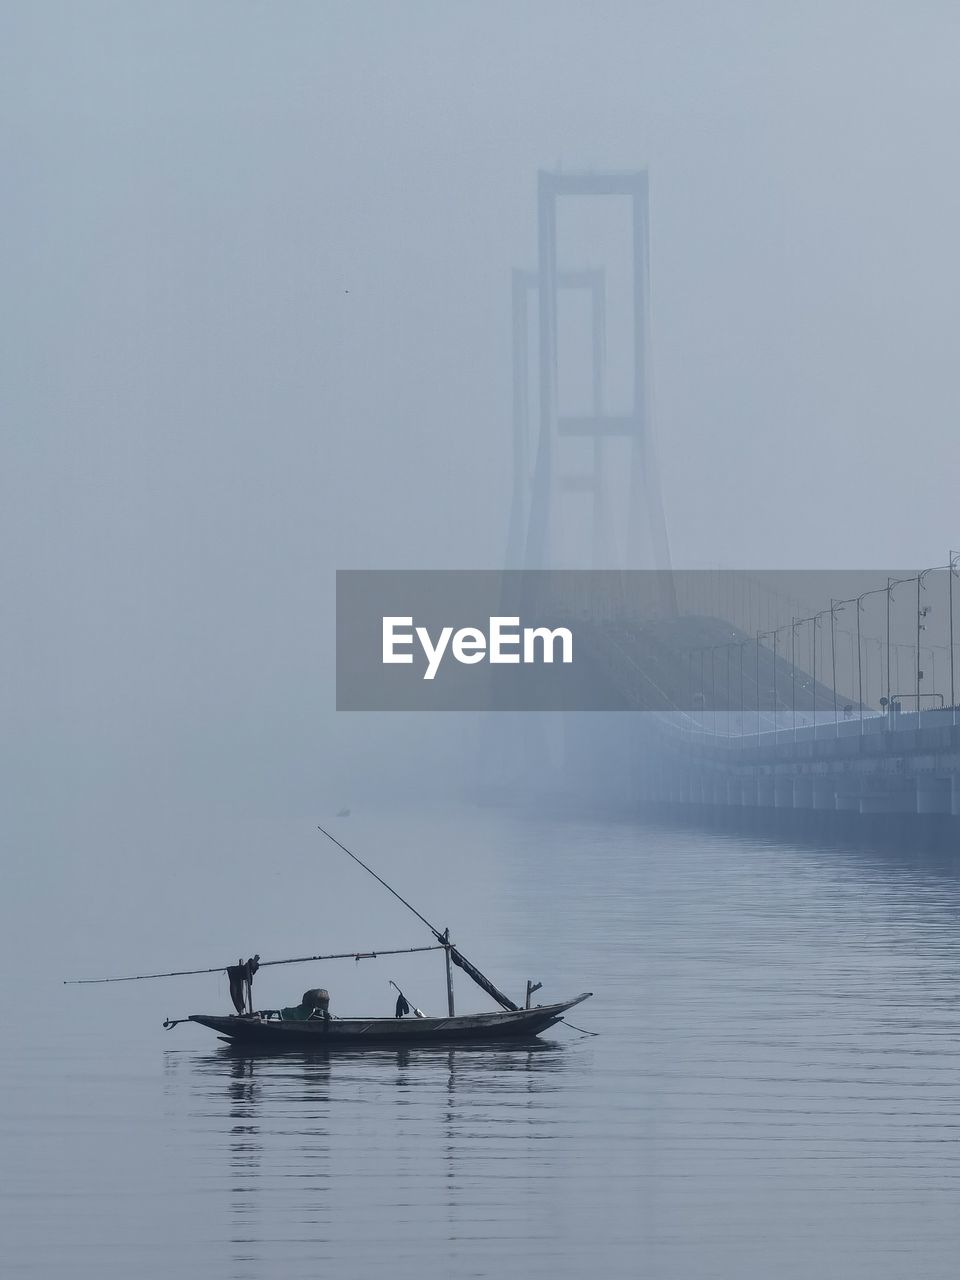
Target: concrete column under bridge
[(783, 791), (934, 795), (895, 797), (803, 791), (824, 793), (743, 792), (847, 795), (748, 792)]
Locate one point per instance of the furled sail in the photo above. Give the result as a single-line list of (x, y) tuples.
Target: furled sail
[(472, 971)]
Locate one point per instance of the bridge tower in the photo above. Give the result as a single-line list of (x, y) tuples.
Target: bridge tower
[(525, 287), (534, 542)]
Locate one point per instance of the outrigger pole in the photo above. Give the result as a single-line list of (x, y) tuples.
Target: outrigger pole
[(452, 954), (263, 964)]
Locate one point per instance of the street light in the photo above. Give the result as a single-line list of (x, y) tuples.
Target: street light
[(763, 635), (799, 622), (860, 598), (776, 721), (833, 664), (793, 674), (891, 583), (921, 613), (836, 606), (816, 622), (954, 559), (858, 601)]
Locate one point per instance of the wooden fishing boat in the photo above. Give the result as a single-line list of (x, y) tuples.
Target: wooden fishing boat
[(258, 1031), (310, 1025)]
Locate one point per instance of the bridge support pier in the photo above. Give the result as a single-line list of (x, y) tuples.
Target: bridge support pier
[(748, 793), (893, 799), (933, 794), (824, 793), (847, 795), (782, 792), (765, 791), (803, 792)]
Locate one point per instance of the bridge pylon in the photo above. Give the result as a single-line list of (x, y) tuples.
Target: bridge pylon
[(539, 489)]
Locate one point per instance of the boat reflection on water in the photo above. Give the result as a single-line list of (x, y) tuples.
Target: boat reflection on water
[(246, 1071), (313, 1142), (504, 1053)]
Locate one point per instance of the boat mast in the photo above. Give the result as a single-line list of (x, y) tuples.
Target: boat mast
[(449, 964)]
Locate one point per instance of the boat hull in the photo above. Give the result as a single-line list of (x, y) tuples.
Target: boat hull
[(374, 1032)]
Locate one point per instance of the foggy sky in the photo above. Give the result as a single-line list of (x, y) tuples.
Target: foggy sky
[(256, 262)]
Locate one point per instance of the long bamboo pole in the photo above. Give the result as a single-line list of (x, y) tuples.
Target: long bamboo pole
[(263, 964)]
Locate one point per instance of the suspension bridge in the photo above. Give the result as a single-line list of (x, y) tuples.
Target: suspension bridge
[(831, 693)]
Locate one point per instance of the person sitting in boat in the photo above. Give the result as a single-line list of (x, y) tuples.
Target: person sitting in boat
[(315, 1004)]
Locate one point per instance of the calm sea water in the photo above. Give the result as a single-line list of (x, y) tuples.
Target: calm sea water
[(774, 1090)]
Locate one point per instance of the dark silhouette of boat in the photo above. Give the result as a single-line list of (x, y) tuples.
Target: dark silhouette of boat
[(310, 1025), (260, 1031)]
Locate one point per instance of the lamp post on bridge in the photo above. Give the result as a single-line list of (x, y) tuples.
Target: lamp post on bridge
[(952, 569), (858, 601), (713, 685), (921, 612), (917, 667), (793, 674), (816, 622), (761, 635), (776, 722), (891, 583), (833, 664), (860, 598), (765, 635), (799, 622), (921, 626)]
